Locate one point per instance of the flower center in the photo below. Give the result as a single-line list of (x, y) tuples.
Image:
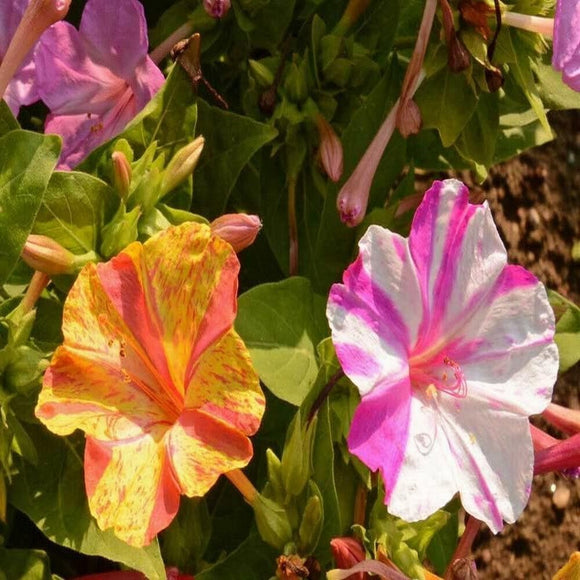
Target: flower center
[(439, 373)]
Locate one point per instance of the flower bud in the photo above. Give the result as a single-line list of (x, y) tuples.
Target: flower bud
[(216, 8), (458, 58), (238, 229), (122, 173), (494, 79), (567, 420), (311, 525), (346, 553), (295, 82), (46, 255), (272, 522), (261, 73), (331, 154), (409, 118), (181, 165), (275, 475), (296, 455)]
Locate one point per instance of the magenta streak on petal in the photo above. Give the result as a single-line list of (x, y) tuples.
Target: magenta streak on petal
[(355, 361), (380, 430), (400, 245), (372, 304)]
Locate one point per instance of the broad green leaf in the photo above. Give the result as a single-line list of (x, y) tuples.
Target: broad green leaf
[(281, 324), (446, 102), (444, 542), (567, 330), (479, 137), (26, 163), (74, 208), (252, 560), (24, 565), (554, 92), (230, 142), (53, 496), (7, 120)]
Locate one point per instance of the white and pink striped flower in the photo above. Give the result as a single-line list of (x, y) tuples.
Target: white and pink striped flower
[(451, 349)]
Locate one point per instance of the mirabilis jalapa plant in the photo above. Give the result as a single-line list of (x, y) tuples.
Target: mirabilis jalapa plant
[(130, 369)]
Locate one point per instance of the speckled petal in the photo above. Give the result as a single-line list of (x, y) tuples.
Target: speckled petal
[(226, 386), (131, 487)]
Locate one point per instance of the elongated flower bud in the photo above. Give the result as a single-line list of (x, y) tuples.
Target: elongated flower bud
[(181, 165), (122, 173), (331, 154), (409, 119), (217, 8), (39, 15), (46, 255), (238, 229), (346, 553), (567, 420), (563, 456)]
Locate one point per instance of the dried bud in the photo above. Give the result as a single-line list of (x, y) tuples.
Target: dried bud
[(493, 78), (45, 255), (476, 13), (217, 8), (267, 102), (238, 229), (291, 568), (181, 165), (122, 173), (331, 154), (464, 569), (409, 118), (346, 553), (458, 57)]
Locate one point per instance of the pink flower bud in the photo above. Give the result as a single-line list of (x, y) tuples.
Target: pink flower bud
[(561, 455), (330, 148), (217, 8), (238, 229), (122, 173), (346, 553), (45, 255)]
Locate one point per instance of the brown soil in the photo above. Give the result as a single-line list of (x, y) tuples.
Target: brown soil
[(535, 199)]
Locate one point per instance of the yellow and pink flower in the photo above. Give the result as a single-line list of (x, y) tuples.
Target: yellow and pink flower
[(154, 374)]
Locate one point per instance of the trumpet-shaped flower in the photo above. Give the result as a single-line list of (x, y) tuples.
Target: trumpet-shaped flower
[(154, 374), (21, 89), (451, 349), (566, 48), (97, 78)]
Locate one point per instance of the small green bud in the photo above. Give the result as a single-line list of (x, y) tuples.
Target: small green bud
[(23, 373), (272, 522), (122, 173), (261, 73), (295, 462), (181, 166), (296, 83), (120, 231), (311, 525), (275, 475), (339, 72)]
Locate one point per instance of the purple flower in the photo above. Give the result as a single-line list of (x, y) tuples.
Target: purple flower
[(566, 48), (96, 79), (451, 349), (22, 89)]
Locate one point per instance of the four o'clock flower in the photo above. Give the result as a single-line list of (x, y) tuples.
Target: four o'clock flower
[(97, 78), (154, 374), (451, 349)]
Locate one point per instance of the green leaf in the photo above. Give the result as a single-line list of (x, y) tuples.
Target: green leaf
[(53, 496), (446, 102), (554, 92), (26, 163), (252, 560), (7, 120), (24, 565), (230, 142), (444, 542), (479, 137), (567, 330), (281, 324), (74, 208)]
